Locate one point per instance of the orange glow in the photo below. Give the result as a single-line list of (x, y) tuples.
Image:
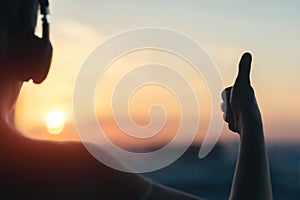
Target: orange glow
[(275, 74)]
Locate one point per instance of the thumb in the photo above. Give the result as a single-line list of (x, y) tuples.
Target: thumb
[(244, 69)]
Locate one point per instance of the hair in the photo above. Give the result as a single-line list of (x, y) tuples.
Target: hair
[(18, 16), (17, 19)]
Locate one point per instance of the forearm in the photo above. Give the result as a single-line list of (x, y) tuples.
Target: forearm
[(252, 178)]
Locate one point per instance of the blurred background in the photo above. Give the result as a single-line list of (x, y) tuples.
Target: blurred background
[(268, 29)]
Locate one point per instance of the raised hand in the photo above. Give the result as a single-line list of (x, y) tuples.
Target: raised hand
[(239, 99), (251, 178)]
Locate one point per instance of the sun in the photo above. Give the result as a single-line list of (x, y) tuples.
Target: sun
[(55, 121)]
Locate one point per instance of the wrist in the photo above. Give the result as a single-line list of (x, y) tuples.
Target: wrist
[(250, 122)]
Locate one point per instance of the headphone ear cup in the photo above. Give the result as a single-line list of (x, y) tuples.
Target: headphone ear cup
[(43, 59), (35, 59)]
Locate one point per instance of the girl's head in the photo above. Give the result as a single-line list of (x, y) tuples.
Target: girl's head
[(23, 54)]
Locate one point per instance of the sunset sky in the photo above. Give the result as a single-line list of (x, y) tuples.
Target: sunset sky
[(268, 29)]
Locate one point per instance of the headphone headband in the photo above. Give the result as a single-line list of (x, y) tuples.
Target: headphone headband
[(44, 4), (44, 7)]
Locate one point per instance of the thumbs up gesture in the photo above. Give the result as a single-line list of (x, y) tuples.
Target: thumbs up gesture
[(241, 112), (239, 100)]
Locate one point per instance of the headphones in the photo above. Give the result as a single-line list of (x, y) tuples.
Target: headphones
[(34, 54)]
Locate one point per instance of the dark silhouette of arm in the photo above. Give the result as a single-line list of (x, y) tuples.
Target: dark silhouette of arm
[(252, 177)]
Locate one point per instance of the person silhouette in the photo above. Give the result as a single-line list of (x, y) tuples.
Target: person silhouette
[(33, 169)]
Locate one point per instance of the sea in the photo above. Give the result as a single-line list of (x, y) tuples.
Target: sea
[(211, 177)]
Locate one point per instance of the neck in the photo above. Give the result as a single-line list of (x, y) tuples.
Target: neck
[(9, 91)]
